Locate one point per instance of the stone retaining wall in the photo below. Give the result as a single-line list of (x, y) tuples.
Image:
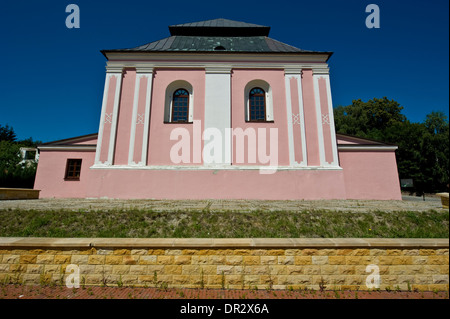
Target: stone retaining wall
[(229, 263)]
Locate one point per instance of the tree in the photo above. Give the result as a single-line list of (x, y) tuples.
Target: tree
[(7, 133), (12, 173), (423, 148), (368, 119)]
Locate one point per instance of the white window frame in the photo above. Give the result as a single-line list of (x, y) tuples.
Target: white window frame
[(170, 90), (269, 100)]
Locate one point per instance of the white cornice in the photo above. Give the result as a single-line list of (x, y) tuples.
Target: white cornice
[(212, 167), (375, 148), (67, 147), (224, 57), (114, 69), (224, 68)]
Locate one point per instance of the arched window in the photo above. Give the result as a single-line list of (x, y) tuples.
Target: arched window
[(257, 104), (180, 106)]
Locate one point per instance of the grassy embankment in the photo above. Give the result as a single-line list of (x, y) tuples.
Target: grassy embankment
[(224, 224)]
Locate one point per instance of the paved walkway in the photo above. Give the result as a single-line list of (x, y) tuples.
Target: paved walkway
[(409, 203)]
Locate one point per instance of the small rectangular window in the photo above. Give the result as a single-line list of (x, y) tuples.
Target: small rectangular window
[(73, 169)]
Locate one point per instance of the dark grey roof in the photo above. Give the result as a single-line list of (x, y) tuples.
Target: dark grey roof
[(210, 44), (219, 23), (218, 35), (219, 27)]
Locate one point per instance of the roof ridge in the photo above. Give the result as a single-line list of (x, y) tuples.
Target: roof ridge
[(214, 23)]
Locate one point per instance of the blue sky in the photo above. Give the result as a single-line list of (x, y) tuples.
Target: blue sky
[(52, 77)]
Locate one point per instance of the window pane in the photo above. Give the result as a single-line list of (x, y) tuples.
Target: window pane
[(180, 106)]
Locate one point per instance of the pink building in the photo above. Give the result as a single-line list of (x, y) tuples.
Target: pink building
[(218, 110)]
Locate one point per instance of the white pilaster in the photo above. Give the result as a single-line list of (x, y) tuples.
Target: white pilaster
[(295, 74), (319, 119), (148, 101), (102, 119), (287, 81), (218, 107), (331, 119), (140, 73), (304, 161), (112, 139)]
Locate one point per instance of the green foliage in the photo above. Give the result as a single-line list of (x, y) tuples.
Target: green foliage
[(14, 174), (225, 224), (7, 133), (423, 148)]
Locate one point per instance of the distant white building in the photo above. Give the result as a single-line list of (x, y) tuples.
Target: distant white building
[(28, 155)]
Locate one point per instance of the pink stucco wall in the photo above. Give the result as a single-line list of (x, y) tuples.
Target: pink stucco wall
[(364, 175), (216, 184), (275, 78), (370, 175), (159, 145), (51, 171)]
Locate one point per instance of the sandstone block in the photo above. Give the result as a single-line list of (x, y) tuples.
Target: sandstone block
[(113, 260), (309, 252), (62, 259), (120, 269), (411, 252), (419, 260), (277, 270), (45, 259), (28, 259), (209, 270), (182, 260), (224, 269), (286, 260), (402, 260), (216, 260), (139, 251), (31, 279), (138, 270), (393, 252), (130, 259), (172, 270), (173, 252), (269, 260), (234, 260), (440, 279), (311, 270), (96, 259), (346, 269), (319, 260), (293, 252), (294, 270), (427, 252), (438, 260), (190, 270), (34, 269), (180, 279), (199, 260), (329, 270), (252, 260), (121, 252), (10, 259), (156, 251), (164, 260), (148, 260), (336, 260), (256, 270), (79, 259)]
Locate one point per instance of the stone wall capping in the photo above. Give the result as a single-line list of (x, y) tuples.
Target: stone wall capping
[(17, 242)]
